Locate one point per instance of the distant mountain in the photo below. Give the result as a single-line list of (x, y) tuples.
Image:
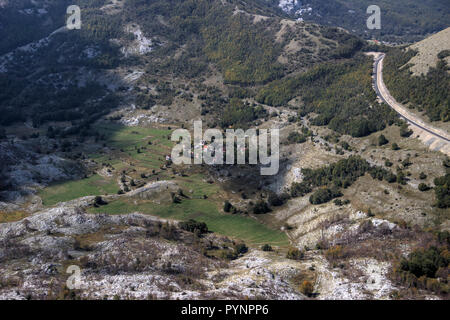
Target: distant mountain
[(401, 20), (23, 21)]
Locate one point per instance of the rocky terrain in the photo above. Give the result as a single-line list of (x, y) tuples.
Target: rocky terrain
[(87, 181), (136, 256), (426, 57)]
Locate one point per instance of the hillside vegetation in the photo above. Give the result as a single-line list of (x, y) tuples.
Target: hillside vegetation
[(428, 92), (341, 94), (401, 20)]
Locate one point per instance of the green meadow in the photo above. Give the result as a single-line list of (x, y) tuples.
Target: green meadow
[(130, 150), (65, 191), (250, 230)]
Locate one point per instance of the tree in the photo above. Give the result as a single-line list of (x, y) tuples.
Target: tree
[(194, 226), (98, 201), (424, 262), (261, 207), (295, 137), (275, 200), (324, 195), (266, 247), (423, 187), (300, 189), (442, 191), (404, 131), (227, 206), (382, 140), (241, 248)]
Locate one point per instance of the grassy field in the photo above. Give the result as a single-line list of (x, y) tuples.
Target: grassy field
[(65, 191), (129, 150), (236, 226), (124, 143)]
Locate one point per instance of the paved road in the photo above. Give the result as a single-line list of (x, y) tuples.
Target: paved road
[(384, 95)]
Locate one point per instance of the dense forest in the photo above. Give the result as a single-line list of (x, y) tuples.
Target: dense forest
[(195, 33), (429, 93), (340, 93), (239, 114)]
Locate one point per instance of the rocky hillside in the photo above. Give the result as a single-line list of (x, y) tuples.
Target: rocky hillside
[(426, 57), (358, 210), (128, 257)]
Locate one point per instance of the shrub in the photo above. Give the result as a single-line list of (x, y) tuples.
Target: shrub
[(295, 137), (423, 187), (401, 179), (294, 254), (175, 199), (194, 226), (261, 207), (365, 226), (425, 262), (241, 248), (300, 189), (168, 231), (443, 54), (443, 237), (382, 140), (335, 253), (99, 201), (275, 200), (324, 195), (307, 288), (266, 247), (446, 162), (404, 131), (227, 206), (442, 191), (228, 254)]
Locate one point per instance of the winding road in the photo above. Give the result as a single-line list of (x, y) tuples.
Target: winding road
[(436, 139)]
